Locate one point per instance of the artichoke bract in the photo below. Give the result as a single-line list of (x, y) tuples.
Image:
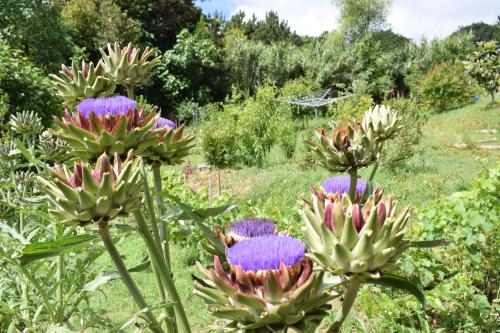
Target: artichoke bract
[(76, 84), (26, 123), (107, 125), (345, 237), (246, 228), (52, 148), (127, 66), (92, 195), (381, 123), (171, 147), (347, 148), (270, 287)]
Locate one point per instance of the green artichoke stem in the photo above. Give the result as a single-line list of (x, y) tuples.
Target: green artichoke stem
[(160, 263), (60, 288), (347, 302), (164, 237), (126, 278), (353, 173), (154, 223), (130, 92), (370, 179)]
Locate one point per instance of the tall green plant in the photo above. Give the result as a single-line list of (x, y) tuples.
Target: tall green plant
[(484, 66)]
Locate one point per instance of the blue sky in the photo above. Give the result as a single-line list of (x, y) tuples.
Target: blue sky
[(412, 18)]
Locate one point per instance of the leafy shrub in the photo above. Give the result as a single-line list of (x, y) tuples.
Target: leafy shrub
[(287, 138), (484, 66), (413, 117), (298, 88), (220, 141), (352, 107), (446, 85), (189, 111), (25, 87)]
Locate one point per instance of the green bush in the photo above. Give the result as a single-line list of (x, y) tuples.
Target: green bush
[(446, 85), (352, 107), (26, 87), (220, 140), (413, 117)]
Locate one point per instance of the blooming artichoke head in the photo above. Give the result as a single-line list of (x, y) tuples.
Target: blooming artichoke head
[(246, 228), (26, 123), (347, 147), (78, 83), (341, 184), (345, 237), (270, 287), (93, 195), (127, 66), (171, 147), (107, 125), (381, 123)]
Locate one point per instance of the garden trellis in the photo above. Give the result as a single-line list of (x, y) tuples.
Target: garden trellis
[(315, 100)]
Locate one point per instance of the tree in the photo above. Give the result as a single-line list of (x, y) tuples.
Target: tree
[(358, 17), (482, 32), (35, 27), (162, 19), (484, 66)]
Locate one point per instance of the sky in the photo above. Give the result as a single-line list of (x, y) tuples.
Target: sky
[(412, 18)]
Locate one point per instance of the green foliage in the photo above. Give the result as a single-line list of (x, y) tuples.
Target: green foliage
[(484, 66), (190, 71), (298, 88), (220, 140), (36, 28), (482, 32), (349, 108), (446, 85), (412, 117), (25, 87)]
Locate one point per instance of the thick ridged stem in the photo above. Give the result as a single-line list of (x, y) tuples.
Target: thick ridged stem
[(347, 302), (164, 236), (171, 327), (159, 261), (126, 278), (353, 173), (130, 92), (60, 288)]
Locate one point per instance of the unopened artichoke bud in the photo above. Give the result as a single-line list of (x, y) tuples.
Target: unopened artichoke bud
[(344, 237), (24, 180), (26, 123), (347, 148), (127, 66), (52, 148), (270, 287), (76, 84), (381, 123), (171, 147), (92, 195), (246, 228), (107, 125), (9, 151)]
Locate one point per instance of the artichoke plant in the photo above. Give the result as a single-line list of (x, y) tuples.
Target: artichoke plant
[(171, 146), (52, 148), (93, 195), (26, 123), (381, 123), (127, 66), (76, 84), (246, 228), (270, 287), (341, 184), (9, 151), (107, 125), (346, 238)]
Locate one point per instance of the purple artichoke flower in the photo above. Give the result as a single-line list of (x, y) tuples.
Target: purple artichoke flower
[(164, 122), (340, 184), (266, 252), (253, 227), (118, 105)]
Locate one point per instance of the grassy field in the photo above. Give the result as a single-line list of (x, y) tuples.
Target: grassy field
[(438, 169)]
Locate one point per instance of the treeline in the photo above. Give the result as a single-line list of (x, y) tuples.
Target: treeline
[(205, 58)]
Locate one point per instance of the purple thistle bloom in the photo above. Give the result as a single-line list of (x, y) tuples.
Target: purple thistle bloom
[(115, 106), (164, 122), (266, 252), (253, 227), (341, 184)]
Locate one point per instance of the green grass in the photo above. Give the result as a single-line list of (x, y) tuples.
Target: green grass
[(437, 170)]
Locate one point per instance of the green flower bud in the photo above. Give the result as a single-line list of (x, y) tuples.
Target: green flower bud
[(26, 123)]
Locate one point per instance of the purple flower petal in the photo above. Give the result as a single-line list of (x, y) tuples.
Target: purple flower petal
[(253, 227), (266, 252), (341, 184), (164, 122), (117, 105)]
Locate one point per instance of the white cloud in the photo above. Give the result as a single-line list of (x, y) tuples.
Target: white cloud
[(305, 17), (412, 18)]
